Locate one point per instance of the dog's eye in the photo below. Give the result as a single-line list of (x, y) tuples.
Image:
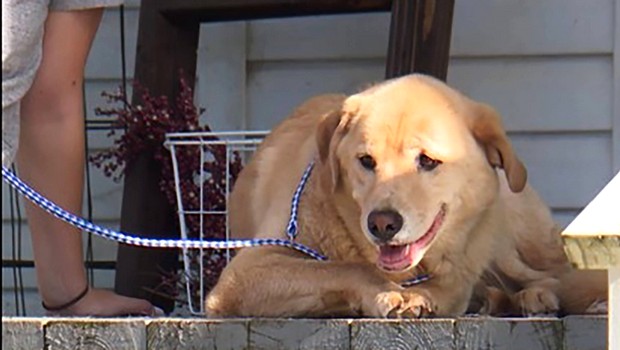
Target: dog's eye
[(367, 162), (427, 163)]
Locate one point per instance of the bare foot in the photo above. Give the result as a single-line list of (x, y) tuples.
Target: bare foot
[(105, 303)]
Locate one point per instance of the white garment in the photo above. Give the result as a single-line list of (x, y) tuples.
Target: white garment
[(22, 41)]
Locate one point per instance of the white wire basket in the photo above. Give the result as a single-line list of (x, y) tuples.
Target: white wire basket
[(205, 165)]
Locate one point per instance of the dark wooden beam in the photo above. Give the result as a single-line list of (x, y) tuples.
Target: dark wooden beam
[(234, 10), (420, 33), (164, 48)]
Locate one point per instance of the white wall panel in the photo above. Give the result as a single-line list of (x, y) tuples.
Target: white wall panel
[(274, 89), (568, 170), (541, 93), (480, 28)]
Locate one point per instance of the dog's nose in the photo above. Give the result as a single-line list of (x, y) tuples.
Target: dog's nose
[(384, 224)]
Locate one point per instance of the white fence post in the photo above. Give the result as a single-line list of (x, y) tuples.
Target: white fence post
[(592, 241)]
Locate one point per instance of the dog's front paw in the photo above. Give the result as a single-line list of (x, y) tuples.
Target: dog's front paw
[(536, 301), (402, 305)]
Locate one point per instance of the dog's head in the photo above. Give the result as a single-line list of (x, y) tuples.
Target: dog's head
[(417, 157)]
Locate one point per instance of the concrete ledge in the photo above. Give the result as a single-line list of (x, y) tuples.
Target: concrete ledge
[(574, 332)]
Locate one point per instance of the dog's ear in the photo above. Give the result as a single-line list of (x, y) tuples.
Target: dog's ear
[(325, 131), (486, 126), (330, 131)]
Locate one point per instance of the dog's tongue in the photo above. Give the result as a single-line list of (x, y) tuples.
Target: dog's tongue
[(397, 257)]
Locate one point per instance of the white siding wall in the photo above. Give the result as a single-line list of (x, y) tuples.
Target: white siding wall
[(551, 67)]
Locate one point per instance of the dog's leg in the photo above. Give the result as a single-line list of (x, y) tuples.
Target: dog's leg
[(276, 282), (539, 289)]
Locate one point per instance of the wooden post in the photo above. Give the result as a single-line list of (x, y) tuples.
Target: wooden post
[(164, 48), (592, 241), (420, 33)]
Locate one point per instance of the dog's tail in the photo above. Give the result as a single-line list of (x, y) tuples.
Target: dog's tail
[(583, 292)]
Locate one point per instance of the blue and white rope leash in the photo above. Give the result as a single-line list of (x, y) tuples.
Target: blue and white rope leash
[(122, 237), (291, 228)]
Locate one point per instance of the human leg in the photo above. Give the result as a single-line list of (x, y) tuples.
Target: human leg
[(51, 158)]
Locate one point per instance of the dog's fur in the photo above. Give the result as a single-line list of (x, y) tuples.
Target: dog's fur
[(496, 243)]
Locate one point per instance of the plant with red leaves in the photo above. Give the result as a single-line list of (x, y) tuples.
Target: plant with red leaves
[(144, 127)]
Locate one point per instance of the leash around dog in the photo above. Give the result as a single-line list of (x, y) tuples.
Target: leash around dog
[(121, 237)]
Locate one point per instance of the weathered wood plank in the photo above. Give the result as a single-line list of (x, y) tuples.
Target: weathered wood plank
[(274, 334), (402, 334), (570, 333), (593, 252), (509, 333), (585, 332), (22, 333), (195, 334), (93, 333)]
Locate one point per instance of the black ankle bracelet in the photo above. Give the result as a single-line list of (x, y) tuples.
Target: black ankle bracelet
[(69, 303)]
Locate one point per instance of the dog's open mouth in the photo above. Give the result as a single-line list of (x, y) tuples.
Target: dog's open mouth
[(403, 256)]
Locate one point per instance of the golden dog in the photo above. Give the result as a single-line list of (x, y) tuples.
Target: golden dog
[(405, 183)]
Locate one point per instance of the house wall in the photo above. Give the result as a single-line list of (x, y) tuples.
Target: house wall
[(552, 68)]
